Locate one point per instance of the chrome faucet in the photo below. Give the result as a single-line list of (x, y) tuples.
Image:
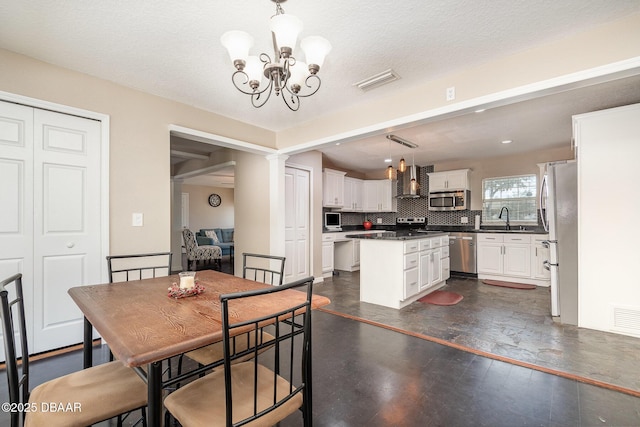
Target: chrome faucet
[(504, 208)]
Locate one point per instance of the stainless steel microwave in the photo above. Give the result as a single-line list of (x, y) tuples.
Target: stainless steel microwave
[(449, 201)]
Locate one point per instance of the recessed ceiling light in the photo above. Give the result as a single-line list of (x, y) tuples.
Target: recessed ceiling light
[(507, 141), (337, 143), (480, 110), (388, 160)]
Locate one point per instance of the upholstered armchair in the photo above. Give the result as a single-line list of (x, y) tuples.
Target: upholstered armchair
[(195, 252)]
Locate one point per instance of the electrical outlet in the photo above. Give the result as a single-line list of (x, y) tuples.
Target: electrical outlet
[(137, 220), (451, 93), (464, 220), (378, 220)]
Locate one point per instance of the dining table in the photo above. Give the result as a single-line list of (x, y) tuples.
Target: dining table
[(143, 325)]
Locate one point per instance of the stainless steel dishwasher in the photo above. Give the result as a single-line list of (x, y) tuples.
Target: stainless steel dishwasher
[(462, 252)]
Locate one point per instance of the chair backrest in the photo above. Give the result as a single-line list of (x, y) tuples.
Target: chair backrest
[(288, 354), (190, 242), (17, 377), (123, 268), (263, 268)]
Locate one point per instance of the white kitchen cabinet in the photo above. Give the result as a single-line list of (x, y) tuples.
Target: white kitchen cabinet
[(449, 180), (431, 255), (327, 254), (430, 268), (511, 257), (411, 274), (539, 254), (378, 196), (395, 273), (352, 195), (333, 188), (517, 256), (490, 259)]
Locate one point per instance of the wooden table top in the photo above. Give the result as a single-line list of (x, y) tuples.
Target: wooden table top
[(142, 324)]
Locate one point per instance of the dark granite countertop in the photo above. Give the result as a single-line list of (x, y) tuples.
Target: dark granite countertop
[(397, 235), (444, 229)]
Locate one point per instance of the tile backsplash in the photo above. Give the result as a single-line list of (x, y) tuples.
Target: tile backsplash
[(413, 208)]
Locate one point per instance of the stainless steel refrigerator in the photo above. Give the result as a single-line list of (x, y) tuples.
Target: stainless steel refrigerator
[(559, 212)]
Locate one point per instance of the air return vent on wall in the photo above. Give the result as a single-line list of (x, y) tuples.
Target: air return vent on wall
[(377, 80), (626, 320)]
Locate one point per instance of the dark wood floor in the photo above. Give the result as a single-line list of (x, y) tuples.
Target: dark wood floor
[(370, 376), (509, 323), (365, 375)]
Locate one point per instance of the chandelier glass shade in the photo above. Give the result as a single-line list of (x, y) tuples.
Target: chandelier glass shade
[(402, 166), (390, 172), (283, 73)]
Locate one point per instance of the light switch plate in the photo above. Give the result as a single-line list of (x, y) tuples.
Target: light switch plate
[(137, 219)]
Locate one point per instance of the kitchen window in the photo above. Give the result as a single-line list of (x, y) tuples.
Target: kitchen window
[(516, 193)]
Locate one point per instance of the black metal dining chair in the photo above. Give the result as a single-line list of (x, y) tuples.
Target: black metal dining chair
[(263, 268), (97, 393), (264, 390), (123, 268), (257, 267)]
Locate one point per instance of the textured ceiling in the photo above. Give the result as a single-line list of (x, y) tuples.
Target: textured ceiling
[(172, 48)]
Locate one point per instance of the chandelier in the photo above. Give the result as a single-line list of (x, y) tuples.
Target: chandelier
[(284, 74), (402, 166)]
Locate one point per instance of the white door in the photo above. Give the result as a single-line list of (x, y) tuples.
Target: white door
[(60, 206), (297, 228), (16, 184), (67, 223)]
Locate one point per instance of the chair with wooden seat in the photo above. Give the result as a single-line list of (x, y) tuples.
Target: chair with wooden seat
[(263, 268), (98, 393), (256, 267), (195, 252), (123, 268), (265, 389)]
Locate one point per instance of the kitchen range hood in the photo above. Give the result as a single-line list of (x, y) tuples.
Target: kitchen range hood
[(409, 190)]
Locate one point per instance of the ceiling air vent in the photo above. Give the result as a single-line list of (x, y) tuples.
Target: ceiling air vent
[(377, 80)]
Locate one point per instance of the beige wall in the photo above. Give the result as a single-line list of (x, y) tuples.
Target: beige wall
[(203, 215), (139, 142), (252, 205)]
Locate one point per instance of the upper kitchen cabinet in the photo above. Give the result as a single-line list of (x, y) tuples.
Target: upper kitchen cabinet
[(333, 188), (449, 180), (353, 197), (379, 196)]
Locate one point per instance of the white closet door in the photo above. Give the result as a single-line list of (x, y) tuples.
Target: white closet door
[(297, 228), (66, 224), (16, 201), (50, 227)]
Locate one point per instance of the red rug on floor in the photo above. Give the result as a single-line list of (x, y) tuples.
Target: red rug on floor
[(509, 284), (441, 298)]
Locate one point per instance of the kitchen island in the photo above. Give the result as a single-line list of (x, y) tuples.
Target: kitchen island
[(398, 268)]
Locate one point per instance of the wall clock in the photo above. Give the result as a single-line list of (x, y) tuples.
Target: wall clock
[(215, 200)]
